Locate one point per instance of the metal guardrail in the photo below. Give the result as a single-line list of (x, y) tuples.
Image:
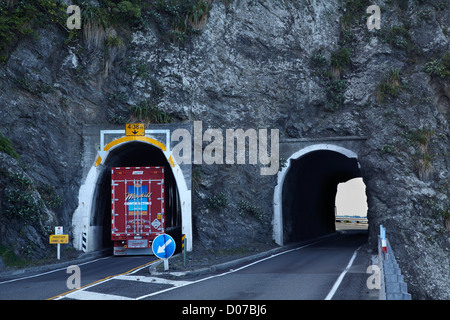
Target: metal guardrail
[(352, 220), (393, 286)]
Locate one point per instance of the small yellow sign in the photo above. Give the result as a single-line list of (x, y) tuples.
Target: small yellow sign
[(135, 129), (59, 238)]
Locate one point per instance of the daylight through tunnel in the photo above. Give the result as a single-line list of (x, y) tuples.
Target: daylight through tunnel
[(134, 154), (309, 193)]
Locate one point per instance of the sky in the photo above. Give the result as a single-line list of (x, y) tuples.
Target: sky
[(351, 198)]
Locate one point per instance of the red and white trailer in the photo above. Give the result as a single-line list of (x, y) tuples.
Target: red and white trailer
[(137, 208)]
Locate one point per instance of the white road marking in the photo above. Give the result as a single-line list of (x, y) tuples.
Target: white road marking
[(82, 294), (51, 271), (341, 277), (176, 283), (226, 273), (72, 293), (88, 295)]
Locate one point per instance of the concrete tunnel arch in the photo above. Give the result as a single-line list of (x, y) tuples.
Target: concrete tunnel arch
[(304, 197), (91, 219)]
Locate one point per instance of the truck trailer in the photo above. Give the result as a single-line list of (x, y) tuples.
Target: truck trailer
[(137, 209)]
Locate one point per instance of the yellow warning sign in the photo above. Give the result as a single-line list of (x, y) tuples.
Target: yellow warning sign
[(59, 238), (134, 129)]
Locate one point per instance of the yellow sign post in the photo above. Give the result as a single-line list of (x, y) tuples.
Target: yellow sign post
[(134, 129), (58, 239)]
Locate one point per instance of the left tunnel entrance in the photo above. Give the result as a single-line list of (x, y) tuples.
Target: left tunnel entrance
[(133, 154)]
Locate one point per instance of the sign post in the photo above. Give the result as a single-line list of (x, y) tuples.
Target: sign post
[(183, 248), (58, 231), (164, 247), (57, 239), (383, 239)]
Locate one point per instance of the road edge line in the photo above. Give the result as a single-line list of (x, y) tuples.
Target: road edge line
[(341, 276)]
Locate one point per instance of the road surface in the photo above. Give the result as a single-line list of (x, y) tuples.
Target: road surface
[(41, 286), (329, 269)]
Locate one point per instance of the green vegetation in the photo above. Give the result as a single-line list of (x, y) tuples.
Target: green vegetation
[(21, 18), (6, 147), (320, 65), (196, 179), (20, 202), (398, 37), (354, 11), (110, 13), (10, 258), (175, 19), (421, 139), (439, 67), (390, 86), (114, 41), (185, 17), (388, 148), (335, 90), (246, 208), (118, 96), (340, 58), (218, 201), (424, 166), (125, 11), (330, 73), (48, 194), (440, 210), (147, 112)]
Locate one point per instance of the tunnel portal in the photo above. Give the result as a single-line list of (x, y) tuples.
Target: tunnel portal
[(309, 193), (134, 154)]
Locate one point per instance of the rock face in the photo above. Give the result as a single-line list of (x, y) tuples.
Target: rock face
[(302, 67)]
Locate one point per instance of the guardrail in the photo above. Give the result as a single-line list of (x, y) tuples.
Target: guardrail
[(392, 286), (351, 220)]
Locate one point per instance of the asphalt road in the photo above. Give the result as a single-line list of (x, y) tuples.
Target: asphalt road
[(309, 272), (306, 272), (46, 285)]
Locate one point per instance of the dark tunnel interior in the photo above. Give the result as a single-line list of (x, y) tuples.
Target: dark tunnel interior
[(309, 193), (134, 154)]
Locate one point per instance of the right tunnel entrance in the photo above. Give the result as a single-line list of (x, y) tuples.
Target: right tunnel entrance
[(309, 190)]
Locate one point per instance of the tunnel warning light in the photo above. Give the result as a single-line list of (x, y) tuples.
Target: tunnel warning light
[(134, 129)]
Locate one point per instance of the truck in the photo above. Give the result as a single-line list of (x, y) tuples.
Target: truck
[(137, 209)]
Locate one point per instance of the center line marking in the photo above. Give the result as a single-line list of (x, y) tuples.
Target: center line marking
[(68, 293)]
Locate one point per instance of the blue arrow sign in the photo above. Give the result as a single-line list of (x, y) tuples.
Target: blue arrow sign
[(163, 246)]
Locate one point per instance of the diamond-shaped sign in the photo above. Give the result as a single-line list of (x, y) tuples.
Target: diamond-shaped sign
[(156, 224)]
